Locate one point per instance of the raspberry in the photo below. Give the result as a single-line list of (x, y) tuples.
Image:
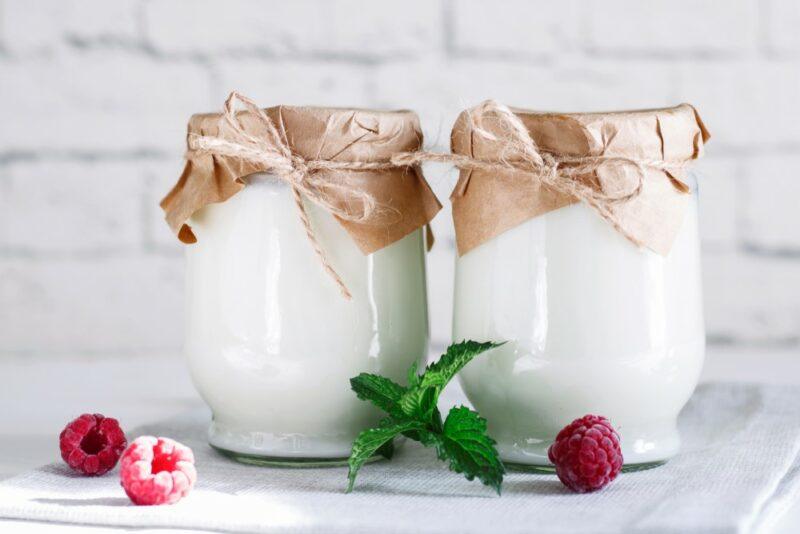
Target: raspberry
[(92, 444), (157, 471), (586, 454)]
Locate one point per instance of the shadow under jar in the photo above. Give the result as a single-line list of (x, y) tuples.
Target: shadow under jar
[(271, 342), (594, 324)]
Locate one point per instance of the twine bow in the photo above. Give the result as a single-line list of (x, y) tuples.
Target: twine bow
[(273, 154), (571, 176)]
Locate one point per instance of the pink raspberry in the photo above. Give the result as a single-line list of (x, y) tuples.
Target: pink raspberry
[(586, 454), (157, 470), (92, 444)]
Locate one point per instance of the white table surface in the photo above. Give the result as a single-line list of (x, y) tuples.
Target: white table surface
[(39, 395)]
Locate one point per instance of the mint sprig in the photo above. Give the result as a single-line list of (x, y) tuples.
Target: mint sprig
[(412, 412)]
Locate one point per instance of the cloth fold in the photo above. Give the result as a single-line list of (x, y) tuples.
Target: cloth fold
[(738, 470)]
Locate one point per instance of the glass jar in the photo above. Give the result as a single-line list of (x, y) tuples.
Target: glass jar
[(593, 324), (270, 341)]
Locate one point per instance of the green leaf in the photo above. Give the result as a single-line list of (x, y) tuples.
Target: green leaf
[(420, 399), (430, 439), (470, 449), (380, 391), (369, 441), (419, 403), (461, 439), (387, 449), (439, 373), (413, 377)]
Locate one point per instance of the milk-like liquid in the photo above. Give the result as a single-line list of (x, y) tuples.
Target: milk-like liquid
[(593, 325), (271, 342)]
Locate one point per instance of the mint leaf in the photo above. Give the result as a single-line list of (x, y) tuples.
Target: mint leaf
[(422, 395), (470, 449), (439, 373), (380, 391), (461, 440), (387, 449), (429, 439), (369, 441), (413, 377), (418, 403)]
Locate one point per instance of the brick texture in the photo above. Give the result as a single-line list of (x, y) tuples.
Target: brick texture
[(520, 28), (323, 83), (96, 96), (73, 206), (41, 27), (719, 184), (95, 304), (99, 101), (338, 28), (771, 222), (672, 27), (748, 104), (751, 298), (781, 19)]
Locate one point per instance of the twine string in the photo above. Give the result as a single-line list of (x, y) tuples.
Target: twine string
[(568, 175), (573, 176), (271, 152)]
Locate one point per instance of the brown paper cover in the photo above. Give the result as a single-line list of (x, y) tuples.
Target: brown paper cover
[(336, 134), (487, 203)]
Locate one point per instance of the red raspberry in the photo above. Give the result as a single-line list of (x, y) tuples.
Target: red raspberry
[(157, 470), (586, 454), (92, 444)]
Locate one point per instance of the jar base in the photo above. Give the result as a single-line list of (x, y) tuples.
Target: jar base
[(644, 445), (278, 448), (551, 470), (275, 461)]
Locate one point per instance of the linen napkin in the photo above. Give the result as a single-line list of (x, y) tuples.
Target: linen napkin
[(738, 470)]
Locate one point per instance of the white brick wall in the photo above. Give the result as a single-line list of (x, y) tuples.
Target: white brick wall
[(98, 93), (45, 25), (99, 101), (324, 83), (750, 297), (672, 27), (347, 29), (750, 104), (71, 207), (518, 29), (719, 186), (93, 303), (782, 20), (771, 215)]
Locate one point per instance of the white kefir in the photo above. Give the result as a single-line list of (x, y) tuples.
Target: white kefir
[(271, 342), (593, 324)]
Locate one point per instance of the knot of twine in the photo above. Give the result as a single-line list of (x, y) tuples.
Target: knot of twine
[(271, 152), (569, 175), (520, 154)]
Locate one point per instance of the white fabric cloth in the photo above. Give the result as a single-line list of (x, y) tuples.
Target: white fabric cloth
[(738, 470)]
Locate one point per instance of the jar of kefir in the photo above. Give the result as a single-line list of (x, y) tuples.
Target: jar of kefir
[(271, 342), (593, 322)]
